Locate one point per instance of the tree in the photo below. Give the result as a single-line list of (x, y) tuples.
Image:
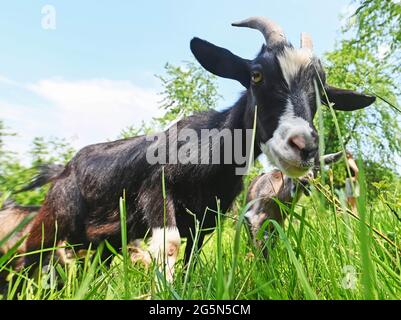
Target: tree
[(14, 174), (360, 62), (377, 25), (4, 133), (53, 150), (134, 131), (8, 161), (186, 90), (376, 128)]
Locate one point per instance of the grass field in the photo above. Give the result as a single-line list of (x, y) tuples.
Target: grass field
[(322, 252)]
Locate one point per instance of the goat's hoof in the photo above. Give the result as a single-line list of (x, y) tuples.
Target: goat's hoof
[(139, 255)]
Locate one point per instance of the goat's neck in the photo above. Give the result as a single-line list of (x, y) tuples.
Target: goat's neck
[(241, 116)]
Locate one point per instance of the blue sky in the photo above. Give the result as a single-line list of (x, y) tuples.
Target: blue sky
[(94, 74)]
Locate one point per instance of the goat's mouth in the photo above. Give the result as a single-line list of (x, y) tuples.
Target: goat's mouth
[(294, 169), (290, 164)]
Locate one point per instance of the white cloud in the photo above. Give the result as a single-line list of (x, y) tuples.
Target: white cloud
[(93, 110), (6, 81)]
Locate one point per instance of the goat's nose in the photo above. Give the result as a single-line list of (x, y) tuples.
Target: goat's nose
[(307, 150), (297, 142)]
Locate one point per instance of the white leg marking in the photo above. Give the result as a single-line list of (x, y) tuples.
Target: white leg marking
[(164, 246)]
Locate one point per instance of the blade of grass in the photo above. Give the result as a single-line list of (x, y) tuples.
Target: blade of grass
[(309, 293), (123, 218), (83, 290), (367, 265)]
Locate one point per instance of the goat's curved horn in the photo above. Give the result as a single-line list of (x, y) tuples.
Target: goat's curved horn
[(272, 32), (306, 41)]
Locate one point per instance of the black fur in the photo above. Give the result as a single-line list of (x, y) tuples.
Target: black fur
[(47, 172)]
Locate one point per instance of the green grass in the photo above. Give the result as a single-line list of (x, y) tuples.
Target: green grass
[(324, 253)]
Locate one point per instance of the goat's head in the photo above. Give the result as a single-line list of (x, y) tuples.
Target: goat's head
[(280, 81)]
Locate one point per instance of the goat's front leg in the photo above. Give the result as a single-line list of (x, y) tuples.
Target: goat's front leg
[(164, 247), (165, 243)]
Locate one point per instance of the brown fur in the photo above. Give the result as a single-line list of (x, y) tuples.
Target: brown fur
[(43, 224), (265, 190), (102, 230), (11, 218)]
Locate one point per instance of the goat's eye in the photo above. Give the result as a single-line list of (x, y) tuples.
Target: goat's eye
[(257, 76)]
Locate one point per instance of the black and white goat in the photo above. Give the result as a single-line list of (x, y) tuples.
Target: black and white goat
[(268, 190), (84, 199)]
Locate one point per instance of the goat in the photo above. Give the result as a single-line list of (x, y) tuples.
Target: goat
[(268, 188), (84, 198)]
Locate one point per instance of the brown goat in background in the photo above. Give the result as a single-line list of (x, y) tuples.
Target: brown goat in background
[(270, 188)]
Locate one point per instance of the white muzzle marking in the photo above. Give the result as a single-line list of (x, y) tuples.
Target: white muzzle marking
[(280, 153)]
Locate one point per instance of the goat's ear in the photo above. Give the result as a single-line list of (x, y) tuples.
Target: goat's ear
[(347, 100), (221, 62)]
